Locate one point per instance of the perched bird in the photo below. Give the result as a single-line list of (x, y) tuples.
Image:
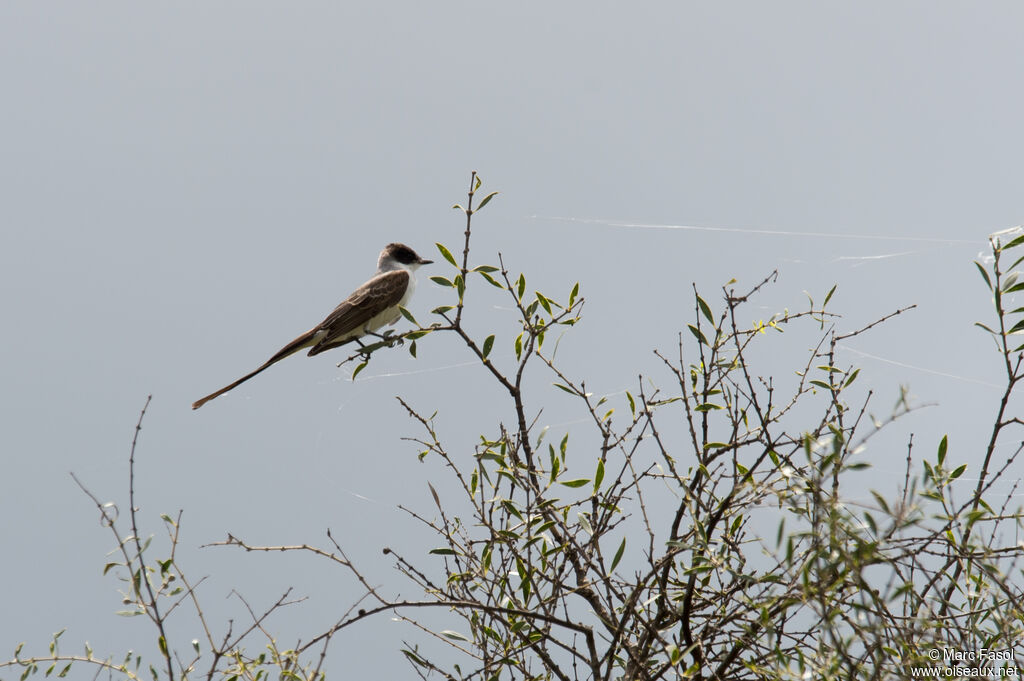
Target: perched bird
[(371, 306)]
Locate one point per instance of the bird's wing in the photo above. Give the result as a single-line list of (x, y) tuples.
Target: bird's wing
[(366, 302)]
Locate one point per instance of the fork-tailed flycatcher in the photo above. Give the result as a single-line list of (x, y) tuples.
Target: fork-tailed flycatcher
[(371, 306)]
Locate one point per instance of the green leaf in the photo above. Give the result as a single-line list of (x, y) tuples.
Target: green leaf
[(1019, 326), (511, 508), (828, 296), (362, 365), (632, 403), (443, 552), (545, 525), (454, 635), (575, 292), (485, 557), (555, 464), (520, 286), (698, 334), (519, 346), (521, 568), (707, 406), (872, 525), (488, 344), (565, 388), (984, 275), (408, 315), (446, 254), (578, 482), (851, 378), (460, 284), (442, 281), (492, 281), (544, 302), (705, 310), (442, 309), (412, 348), (943, 445), (1013, 244), (487, 200), (1014, 288), (957, 472), (599, 475), (618, 556), (485, 268), (821, 384), (458, 206)]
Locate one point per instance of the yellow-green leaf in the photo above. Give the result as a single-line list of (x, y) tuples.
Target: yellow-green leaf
[(487, 200), (578, 482), (446, 254)]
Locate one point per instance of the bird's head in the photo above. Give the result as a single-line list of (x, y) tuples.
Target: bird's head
[(399, 256)]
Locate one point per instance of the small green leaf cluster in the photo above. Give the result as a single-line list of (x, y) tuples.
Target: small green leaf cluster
[(1002, 283)]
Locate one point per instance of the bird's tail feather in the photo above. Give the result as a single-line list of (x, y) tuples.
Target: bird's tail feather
[(303, 341)]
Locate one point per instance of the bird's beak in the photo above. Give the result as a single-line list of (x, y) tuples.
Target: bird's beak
[(425, 262)]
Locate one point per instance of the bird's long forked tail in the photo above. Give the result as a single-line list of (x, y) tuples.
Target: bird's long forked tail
[(303, 341)]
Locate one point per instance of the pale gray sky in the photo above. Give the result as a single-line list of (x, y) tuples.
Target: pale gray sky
[(186, 187)]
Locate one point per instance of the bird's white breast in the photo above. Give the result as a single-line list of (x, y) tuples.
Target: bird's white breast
[(391, 315)]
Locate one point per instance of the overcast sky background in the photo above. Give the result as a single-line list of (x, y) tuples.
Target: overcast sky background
[(187, 187)]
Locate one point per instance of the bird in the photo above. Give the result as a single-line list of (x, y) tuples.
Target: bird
[(370, 307)]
